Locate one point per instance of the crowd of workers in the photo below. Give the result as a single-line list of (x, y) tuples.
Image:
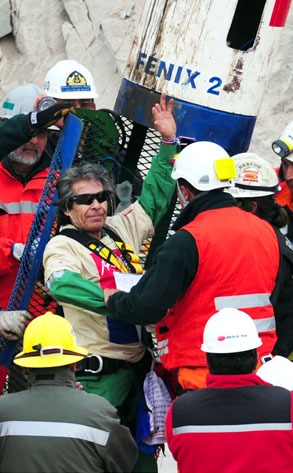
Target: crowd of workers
[(218, 297)]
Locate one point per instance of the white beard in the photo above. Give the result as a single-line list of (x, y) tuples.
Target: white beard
[(17, 157)]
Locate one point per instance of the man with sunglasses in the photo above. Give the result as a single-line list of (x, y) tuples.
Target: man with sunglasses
[(82, 260), (23, 172)]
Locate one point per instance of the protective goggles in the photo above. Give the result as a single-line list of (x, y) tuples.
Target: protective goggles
[(87, 199)]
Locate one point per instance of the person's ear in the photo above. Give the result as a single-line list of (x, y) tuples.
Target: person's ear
[(67, 211), (253, 207), (186, 193)]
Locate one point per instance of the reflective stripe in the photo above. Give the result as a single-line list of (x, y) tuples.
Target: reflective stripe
[(243, 301), (163, 343), (54, 429), (23, 207), (54, 275), (189, 429), (246, 301), (139, 332), (263, 325), (162, 347), (163, 351)]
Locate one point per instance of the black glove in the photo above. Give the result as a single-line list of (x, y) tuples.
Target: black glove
[(49, 116)]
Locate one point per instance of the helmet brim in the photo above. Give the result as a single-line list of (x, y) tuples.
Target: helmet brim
[(49, 361), (74, 95)]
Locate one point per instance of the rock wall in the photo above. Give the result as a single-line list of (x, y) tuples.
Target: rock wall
[(96, 33), (34, 35)]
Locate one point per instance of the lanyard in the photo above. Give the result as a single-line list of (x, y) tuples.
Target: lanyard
[(126, 263), (108, 255)]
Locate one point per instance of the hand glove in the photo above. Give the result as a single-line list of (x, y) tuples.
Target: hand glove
[(49, 116), (17, 250), (13, 323)]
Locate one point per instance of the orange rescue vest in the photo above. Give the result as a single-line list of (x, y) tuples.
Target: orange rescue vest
[(238, 265)]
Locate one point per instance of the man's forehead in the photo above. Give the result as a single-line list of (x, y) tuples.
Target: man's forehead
[(86, 183), (83, 103)]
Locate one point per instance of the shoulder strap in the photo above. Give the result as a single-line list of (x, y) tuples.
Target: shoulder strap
[(128, 262), (113, 235), (86, 239), (97, 247), (79, 236)]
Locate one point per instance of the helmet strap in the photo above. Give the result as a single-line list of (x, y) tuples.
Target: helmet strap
[(185, 202)]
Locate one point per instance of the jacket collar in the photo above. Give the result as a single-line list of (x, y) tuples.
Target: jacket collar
[(211, 200), (41, 165), (61, 376), (234, 380)]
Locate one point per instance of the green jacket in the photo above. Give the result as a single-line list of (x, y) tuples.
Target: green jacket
[(53, 427)]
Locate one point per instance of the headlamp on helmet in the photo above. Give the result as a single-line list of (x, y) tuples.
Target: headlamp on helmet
[(283, 147)]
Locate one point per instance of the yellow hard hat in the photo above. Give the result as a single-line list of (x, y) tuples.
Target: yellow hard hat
[(49, 341)]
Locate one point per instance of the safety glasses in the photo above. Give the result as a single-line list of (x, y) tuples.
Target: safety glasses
[(87, 199)]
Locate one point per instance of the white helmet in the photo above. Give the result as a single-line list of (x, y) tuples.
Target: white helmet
[(205, 165), (284, 145), (255, 177), (278, 371), (70, 80), (230, 331), (23, 99)]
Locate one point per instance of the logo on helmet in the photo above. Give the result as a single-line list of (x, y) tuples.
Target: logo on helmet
[(221, 338), (251, 174), (75, 82)]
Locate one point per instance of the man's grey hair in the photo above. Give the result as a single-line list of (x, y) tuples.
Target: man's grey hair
[(65, 182)]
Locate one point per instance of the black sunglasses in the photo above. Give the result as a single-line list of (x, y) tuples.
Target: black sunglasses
[(87, 199)]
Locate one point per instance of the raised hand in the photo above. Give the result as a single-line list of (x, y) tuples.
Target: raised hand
[(163, 118), (49, 116)]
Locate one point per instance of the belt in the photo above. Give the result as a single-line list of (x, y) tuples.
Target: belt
[(97, 364)]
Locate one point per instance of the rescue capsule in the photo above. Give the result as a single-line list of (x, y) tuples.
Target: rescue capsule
[(214, 58)]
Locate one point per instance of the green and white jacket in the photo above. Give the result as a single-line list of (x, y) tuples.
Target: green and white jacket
[(76, 276)]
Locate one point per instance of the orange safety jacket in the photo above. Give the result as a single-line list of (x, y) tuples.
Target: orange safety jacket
[(284, 197), (235, 270), (18, 203)]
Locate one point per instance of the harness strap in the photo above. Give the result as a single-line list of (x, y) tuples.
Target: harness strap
[(97, 247), (93, 365)]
